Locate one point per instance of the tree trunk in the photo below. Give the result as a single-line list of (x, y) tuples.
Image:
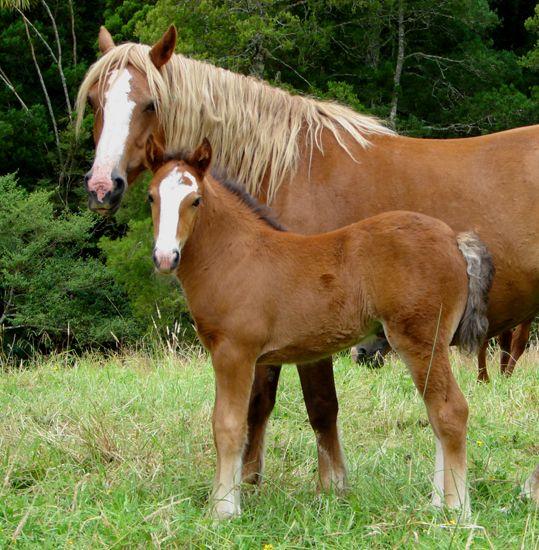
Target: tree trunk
[(59, 57), (398, 68), (5, 79), (73, 34), (44, 88)]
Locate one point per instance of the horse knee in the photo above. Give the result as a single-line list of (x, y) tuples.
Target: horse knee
[(451, 419), (323, 413)]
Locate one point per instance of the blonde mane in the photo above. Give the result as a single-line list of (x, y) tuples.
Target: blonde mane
[(253, 127)]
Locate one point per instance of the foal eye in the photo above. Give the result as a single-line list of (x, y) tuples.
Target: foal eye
[(196, 202), (150, 198), (150, 108)]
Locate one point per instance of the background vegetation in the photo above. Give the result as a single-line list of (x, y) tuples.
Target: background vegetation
[(440, 69)]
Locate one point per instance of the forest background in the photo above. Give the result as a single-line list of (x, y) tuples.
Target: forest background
[(69, 279)]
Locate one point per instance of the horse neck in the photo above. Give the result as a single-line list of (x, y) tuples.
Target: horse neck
[(225, 231)]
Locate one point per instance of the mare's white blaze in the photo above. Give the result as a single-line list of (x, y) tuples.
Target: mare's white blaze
[(117, 113), (172, 190)]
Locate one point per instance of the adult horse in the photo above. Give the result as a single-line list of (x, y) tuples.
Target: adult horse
[(372, 351), (322, 166)]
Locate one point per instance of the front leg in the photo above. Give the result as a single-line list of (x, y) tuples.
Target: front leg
[(234, 372)]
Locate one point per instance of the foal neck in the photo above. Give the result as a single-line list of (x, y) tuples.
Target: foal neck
[(229, 226)]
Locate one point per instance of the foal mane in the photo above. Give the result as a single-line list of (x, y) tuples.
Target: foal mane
[(255, 128), (261, 211)]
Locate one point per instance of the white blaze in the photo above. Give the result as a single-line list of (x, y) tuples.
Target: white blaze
[(117, 113), (172, 190)]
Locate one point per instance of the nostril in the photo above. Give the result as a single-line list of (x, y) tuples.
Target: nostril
[(120, 183), (175, 258), (87, 177), (154, 258)]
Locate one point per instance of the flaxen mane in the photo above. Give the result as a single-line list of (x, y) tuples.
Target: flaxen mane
[(254, 128)]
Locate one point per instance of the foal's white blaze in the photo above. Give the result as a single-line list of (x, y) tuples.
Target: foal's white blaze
[(172, 190), (117, 113)]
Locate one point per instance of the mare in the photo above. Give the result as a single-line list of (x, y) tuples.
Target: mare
[(322, 166), (372, 351), (261, 295)]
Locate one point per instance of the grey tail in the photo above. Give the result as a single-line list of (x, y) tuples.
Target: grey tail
[(473, 326)]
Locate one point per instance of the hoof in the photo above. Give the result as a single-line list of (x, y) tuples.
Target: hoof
[(225, 509), (252, 473)]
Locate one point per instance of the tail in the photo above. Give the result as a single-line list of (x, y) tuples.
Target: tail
[(473, 326)]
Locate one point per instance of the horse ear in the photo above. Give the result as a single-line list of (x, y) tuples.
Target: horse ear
[(105, 40), (162, 51), (155, 156), (201, 158)]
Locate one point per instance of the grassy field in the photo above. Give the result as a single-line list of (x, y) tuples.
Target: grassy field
[(117, 452)]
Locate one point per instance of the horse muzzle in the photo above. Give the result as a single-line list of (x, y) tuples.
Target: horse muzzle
[(105, 193), (166, 261)]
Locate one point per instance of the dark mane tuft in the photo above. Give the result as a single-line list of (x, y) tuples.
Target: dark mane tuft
[(262, 211)]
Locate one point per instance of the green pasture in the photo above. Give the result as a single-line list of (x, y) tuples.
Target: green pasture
[(117, 452)]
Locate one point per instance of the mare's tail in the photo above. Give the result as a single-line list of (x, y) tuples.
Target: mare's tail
[(473, 326)]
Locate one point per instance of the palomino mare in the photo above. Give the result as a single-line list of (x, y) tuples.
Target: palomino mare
[(323, 166), (261, 295), (512, 344)]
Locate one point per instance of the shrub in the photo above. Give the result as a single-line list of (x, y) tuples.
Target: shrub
[(54, 288)]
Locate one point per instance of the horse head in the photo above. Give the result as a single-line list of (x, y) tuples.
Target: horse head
[(125, 116)]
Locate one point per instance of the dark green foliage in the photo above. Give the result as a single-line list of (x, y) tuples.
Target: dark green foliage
[(469, 67), (52, 289)]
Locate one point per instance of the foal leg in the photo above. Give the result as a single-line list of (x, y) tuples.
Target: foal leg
[(234, 372), (504, 340), (260, 407), (521, 335), (447, 410), (482, 372), (318, 387)]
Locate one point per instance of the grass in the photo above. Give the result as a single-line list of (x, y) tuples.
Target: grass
[(117, 452)]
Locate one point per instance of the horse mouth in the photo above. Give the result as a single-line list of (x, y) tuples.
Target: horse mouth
[(102, 209)]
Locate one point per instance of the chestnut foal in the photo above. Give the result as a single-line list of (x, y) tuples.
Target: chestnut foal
[(261, 295)]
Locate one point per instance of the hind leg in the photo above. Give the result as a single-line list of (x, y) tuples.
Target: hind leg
[(446, 408), (320, 396), (520, 338), (504, 340), (482, 372), (261, 404)]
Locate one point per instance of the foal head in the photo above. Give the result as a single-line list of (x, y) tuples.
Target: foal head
[(175, 194)]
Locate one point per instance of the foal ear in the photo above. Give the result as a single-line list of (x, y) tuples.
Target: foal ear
[(162, 51), (201, 158), (105, 40), (155, 156)]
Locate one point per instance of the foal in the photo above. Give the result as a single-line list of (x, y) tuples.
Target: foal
[(261, 295)]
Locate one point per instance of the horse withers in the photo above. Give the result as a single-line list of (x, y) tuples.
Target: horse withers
[(261, 295)]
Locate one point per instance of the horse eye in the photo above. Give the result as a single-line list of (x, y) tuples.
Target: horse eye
[(196, 202), (150, 108), (150, 198)]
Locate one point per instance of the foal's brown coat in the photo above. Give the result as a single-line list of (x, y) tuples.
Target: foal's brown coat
[(489, 184), (259, 295)]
